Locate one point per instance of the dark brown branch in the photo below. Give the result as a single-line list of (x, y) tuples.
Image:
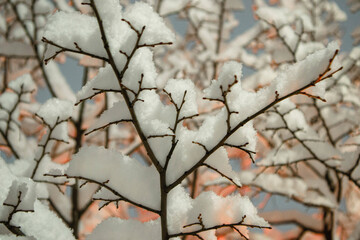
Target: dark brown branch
[(107, 125), (223, 175), (154, 44), (64, 49), (119, 76), (43, 146), (241, 147)]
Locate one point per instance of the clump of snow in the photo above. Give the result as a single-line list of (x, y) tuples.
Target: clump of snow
[(220, 161), (104, 80), (295, 120), (125, 175), (275, 184), (55, 110), (244, 136), (230, 72), (169, 6), (185, 155), (141, 14), (42, 224), (42, 7), (23, 84), (47, 166), (304, 49), (306, 71), (25, 189), (156, 121), (212, 130), (277, 16), (178, 88), (155, 117), (179, 204), (216, 210), (285, 156), (117, 113), (6, 179), (66, 28), (141, 64), (112, 228), (290, 37)]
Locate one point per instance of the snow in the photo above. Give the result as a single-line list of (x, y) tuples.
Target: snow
[(127, 176), (230, 71), (314, 198), (304, 49), (244, 136), (185, 155), (141, 14), (178, 206), (118, 112), (155, 118), (215, 210), (285, 156), (23, 84), (112, 228), (8, 101), (104, 80), (47, 166), (220, 161), (141, 64), (295, 120), (55, 110), (28, 194), (339, 15), (289, 36), (6, 179), (177, 89), (117, 32), (42, 224), (306, 71), (273, 183), (289, 80), (277, 16), (110, 12), (212, 130), (84, 31), (171, 6), (355, 53), (61, 201), (63, 6), (349, 163)]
